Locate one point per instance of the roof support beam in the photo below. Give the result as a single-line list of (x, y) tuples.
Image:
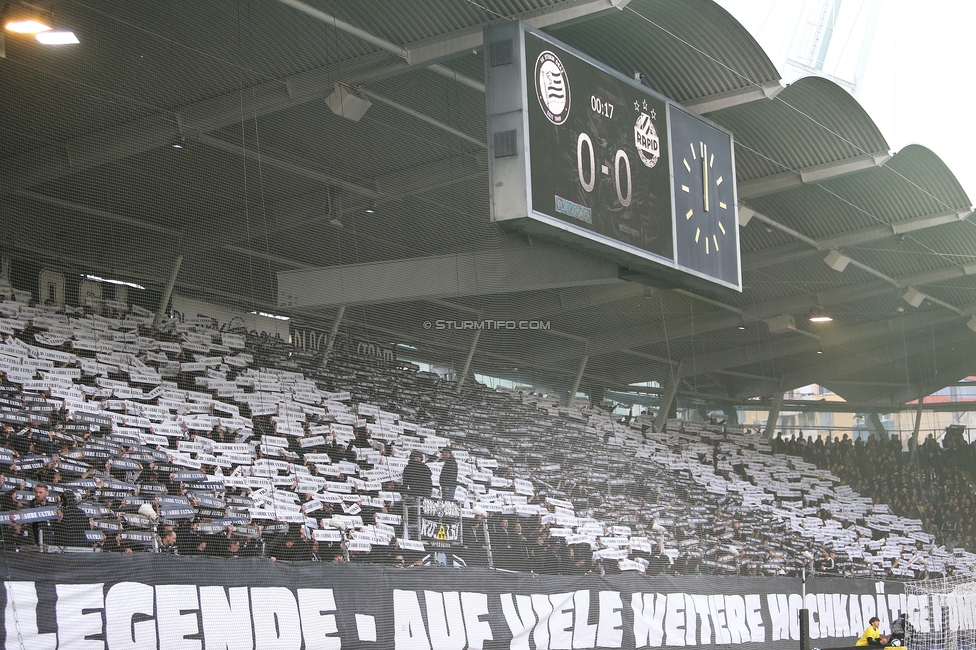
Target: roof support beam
[(576, 382), (773, 255), (443, 276), (789, 346), (81, 153), (639, 335), (467, 362), (472, 39), (895, 282), (810, 175), (388, 46), (871, 354), (78, 154), (865, 235), (737, 97), (793, 251)]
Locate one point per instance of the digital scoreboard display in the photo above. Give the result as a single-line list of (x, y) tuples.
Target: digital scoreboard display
[(584, 155), (599, 150)]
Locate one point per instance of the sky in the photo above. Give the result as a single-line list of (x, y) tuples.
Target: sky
[(917, 83)]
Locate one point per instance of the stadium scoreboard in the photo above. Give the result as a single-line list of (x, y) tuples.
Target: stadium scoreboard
[(584, 155)]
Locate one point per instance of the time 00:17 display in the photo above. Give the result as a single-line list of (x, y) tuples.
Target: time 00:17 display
[(600, 106)]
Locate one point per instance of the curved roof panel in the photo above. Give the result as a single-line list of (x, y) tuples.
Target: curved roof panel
[(923, 169), (812, 122), (688, 49)]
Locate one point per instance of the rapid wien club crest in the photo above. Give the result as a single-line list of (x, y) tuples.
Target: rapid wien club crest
[(647, 141)]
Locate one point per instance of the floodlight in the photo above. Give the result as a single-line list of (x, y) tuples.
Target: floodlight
[(818, 315), (22, 18), (60, 37)]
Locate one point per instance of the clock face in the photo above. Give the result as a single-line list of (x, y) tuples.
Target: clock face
[(706, 232)]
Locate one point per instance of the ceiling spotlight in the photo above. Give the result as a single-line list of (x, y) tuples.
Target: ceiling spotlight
[(23, 18), (177, 145), (742, 327), (370, 210), (60, 37), (818, 315), (819, 351), (29, 26)]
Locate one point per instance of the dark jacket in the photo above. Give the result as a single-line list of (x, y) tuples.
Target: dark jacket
[(73, 523), (449, 474), (417, 480)]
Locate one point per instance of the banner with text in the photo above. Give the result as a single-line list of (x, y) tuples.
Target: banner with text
[(194, 603)]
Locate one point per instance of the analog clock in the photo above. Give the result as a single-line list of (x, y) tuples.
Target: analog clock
[(706, 234)]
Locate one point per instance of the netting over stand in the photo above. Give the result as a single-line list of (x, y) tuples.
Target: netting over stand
[(943, 614)]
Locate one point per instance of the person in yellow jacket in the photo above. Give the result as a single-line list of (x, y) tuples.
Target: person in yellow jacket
[(871, 635)]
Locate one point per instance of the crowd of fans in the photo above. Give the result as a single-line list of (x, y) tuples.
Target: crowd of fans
[(191, 441), (934, 483)]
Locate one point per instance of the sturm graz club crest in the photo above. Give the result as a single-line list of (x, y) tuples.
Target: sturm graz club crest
[(647, 141), (552, 87)]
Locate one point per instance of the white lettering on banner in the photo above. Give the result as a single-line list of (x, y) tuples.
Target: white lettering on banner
[(276, 618), (79, 612), (132, 615), (225, 616), (20, 619)]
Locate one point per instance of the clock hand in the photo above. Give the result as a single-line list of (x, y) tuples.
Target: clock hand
[(705, 174)]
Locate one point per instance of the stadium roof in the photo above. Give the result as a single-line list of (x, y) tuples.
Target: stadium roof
[(204, 133)]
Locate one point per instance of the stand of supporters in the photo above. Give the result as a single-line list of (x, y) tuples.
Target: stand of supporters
[(188, 440), (934, 483)]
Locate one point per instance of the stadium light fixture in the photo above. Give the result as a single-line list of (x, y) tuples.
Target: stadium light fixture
[(818, 315), (59, 37), (95, 278), (24, 18), (267, 315)]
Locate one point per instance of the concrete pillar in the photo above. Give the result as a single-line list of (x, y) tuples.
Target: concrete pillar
[(467, 362), (875, 427), (918, 425), (667, 399), (773, 417), (332, 334), (168, 291), (576, 382)]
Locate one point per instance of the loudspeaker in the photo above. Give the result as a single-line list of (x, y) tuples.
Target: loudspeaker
[(346, 102)]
